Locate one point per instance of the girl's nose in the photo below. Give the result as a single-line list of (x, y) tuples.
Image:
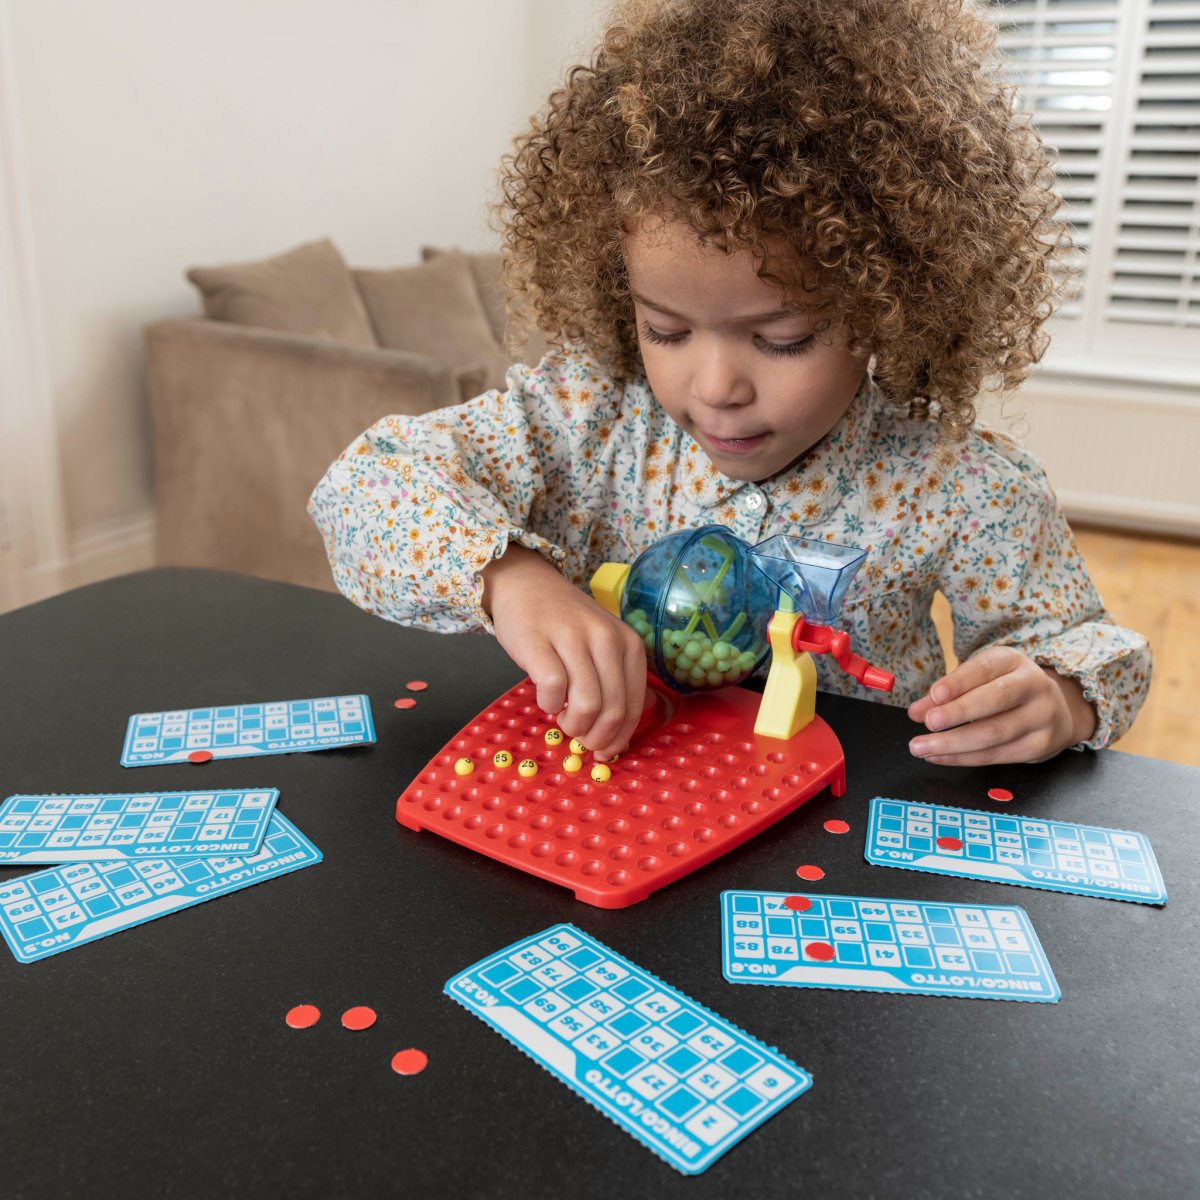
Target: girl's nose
[(718, 381)]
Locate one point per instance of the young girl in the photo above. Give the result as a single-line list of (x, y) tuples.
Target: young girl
[(779, 246)]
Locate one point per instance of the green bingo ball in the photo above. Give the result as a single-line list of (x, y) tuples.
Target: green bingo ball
[(700, 607)]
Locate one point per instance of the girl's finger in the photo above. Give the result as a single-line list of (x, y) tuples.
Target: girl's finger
[(986, 665), (1030, 748), (585, 693), (545, 669), (611, 662), (996, 694), (634, 669), (989, 733)]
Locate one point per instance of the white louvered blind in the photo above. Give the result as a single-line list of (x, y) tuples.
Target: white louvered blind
[(1114, 86)]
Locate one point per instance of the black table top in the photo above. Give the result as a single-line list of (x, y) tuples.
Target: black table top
[(157, 1061)]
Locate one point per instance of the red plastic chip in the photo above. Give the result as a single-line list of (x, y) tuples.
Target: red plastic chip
[(200, 756), (406, 702), (821, 951), (798, 903), (409, 1062), (416, 685), (949, 843), (836, 826), (809, 872), (1001, 794), (358, 1018), (302, 1016)]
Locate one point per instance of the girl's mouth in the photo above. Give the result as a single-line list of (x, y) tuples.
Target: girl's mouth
[(741, 445)]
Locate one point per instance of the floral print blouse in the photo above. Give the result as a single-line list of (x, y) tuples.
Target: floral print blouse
[(585, 471)]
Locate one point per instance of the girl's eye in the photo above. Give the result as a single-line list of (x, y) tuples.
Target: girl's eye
[(803, 346), (659, 339), (775, 348)]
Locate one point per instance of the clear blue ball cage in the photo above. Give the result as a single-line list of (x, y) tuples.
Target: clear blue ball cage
[(702, 608)]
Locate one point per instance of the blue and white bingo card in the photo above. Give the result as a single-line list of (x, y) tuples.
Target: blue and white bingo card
[(49, 911), (869, 945), (242, 730), (680, 1079), (1058, 855), (100, 826)]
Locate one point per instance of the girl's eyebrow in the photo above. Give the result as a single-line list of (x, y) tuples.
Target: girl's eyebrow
[(747, 320)]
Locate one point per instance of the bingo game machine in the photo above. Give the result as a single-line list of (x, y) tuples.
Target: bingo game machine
[(710, 764)]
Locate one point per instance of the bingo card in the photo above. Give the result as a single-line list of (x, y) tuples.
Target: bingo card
[(49, 911), (680, 1079), (100, 826), (1059, 855), (241, 730), (869, 945)]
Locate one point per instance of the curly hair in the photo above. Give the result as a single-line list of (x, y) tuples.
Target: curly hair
[(871, 138)]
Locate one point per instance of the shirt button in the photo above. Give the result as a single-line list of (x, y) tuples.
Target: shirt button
[(753, 501)]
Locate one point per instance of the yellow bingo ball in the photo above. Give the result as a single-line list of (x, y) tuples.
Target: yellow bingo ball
[(527, 768), (554, 737), (572, 763), (502, 758), (577, 747), (464, 766), (601, 773)]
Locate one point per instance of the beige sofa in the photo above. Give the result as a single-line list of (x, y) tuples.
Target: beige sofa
[(294, 356)]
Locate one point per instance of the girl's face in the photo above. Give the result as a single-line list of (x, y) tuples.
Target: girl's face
[(749, 382)]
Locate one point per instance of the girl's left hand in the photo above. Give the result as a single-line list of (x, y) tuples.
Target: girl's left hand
[(1000, 707)]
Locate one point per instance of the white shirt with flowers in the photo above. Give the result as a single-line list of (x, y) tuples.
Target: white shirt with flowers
[(585, 471)]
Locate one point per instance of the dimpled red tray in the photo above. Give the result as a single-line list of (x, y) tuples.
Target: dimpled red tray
[(696, 782)]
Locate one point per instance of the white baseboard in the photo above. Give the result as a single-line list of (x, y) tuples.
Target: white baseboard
[(115, 548), (1138, 516), (96, 553)]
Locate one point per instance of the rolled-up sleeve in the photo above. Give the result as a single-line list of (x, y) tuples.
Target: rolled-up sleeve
[(414, 509), (1017, 578)]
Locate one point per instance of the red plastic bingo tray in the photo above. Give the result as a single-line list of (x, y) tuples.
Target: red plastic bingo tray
[(696, 782)]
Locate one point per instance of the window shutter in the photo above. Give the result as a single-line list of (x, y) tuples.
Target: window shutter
[(1114, 86)]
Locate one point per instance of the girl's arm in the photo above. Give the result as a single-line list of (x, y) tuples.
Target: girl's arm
[(416, 508), (461, 519), (1043, 665)]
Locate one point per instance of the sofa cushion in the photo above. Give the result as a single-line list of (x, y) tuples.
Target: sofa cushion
[(434, 308), (307, 290), (472, 381), (486, 271)]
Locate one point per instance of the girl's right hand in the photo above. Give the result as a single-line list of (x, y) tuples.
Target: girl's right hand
[(589, 668)]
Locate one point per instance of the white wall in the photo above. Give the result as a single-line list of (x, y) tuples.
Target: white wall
[(140, 137)]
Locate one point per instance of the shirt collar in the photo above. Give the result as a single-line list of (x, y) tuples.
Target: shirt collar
[(817, 482)]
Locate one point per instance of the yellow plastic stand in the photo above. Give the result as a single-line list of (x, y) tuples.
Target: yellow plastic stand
[(789, 700), (608, 584)]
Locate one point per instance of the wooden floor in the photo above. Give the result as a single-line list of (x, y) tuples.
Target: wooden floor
[(1151, 585)]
